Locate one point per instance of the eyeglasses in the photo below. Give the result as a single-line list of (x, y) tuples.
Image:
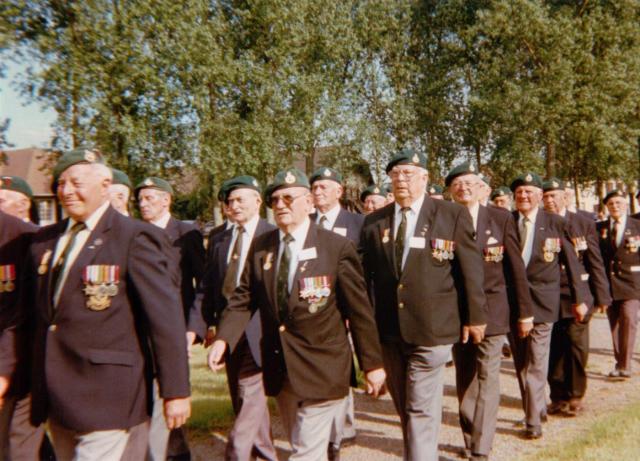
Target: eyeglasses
[(287, 199), (461, 184), (407, 173)]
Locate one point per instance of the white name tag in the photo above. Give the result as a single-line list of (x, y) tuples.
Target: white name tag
[(340, 231), (635, 268), (417, 242), (491, 241), (584, 277), (307, 253)]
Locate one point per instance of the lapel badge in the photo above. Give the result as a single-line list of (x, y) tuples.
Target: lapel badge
[(304, 266), (44, 262), (385, 236), (268, 262), (289, 178)]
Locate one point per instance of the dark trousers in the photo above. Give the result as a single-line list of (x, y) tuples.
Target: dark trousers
[(19, 439), (623, 319), (568, 360)]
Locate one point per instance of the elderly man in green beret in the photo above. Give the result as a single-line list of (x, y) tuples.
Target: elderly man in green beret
[(435, 191), (15, 197), (373, 198), (119, 191), (94, 283), (619, 244), (501, 197), (306, 281), (154, 196)]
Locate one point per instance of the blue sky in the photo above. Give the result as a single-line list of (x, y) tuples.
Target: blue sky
[(30, 124)]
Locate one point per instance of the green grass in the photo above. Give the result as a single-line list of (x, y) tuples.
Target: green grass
[(614, 437)]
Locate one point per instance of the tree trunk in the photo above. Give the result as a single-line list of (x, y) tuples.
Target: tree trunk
[(550, 159)]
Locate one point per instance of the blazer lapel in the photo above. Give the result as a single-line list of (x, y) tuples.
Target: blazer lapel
[(172, 229), (539, 234), (385, 234), (269, 268), (50, 247), (422, 230), (483, 224), (94, 244)]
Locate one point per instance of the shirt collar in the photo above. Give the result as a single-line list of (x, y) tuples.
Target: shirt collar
[(162, 221), (299, 234), (249, 226), (622, 220), (564, 212), (92, 221), (532, 216), (415, 206), (474, 210), (331, 215)]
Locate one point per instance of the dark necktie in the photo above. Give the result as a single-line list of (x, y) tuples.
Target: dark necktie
[(324, 222), (614, 233), (283, 278), (399, 243), (58, 268), (231, 277), (524, 232)]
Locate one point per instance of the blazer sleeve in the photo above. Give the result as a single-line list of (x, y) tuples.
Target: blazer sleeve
[(150, 275), (471, 268), (517, 270), (595, 266), (354, 304)]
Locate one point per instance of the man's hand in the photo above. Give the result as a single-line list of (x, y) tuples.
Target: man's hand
[(191, 338), (4, 385), (475, 331), (580, 311), (524, 328), (211, 336), (177, 411), (602, 308), (216, 354), (375, 381)]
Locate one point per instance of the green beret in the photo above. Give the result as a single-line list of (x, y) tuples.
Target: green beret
[(526, 179), (291, 177), (614, 193), (460, 170), (553, 184), (154, 182), (325, 173), (485, 179), (435, 189), (500, 192), (382, 191), (239, 182), (74, 157), (407, 157), (120, 177), (16, 184)]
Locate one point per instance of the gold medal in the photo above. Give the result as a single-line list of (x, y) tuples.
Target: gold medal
[(385, 236), (313, 308), (9, 286), (268, 262), (548, 256)]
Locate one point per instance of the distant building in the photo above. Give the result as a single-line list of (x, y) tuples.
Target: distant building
[(34, 166)]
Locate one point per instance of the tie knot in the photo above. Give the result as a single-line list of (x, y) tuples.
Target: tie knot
[(240, 229), (77, 227), (287, 239), (323, 219), (405, 210)]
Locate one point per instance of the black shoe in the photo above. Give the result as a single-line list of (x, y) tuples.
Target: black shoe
[(506, 351), (533, 432), (333, 452), (557, 407)]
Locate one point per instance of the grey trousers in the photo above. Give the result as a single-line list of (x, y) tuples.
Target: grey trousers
[(478, 389), (307, 423), (162, 441), (531, 359), (344, 427), (623, 319), (70, 445), (415, 376), (250, 436)]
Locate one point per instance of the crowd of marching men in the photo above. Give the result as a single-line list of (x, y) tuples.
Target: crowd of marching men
[(95, 309)]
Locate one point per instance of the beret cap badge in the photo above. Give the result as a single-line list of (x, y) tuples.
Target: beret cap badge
[(415, 158), (472, 168), (529, 178), (255, 183), (289, 178), (148, 182), (89, 156), (376, 190), (327, 172)]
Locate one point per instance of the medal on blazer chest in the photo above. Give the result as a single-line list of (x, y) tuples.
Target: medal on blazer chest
[(44, 262), (7, 278), (100, 285), (579, 243), (385, 236), (633, 243), (316, 291), (268, 262), (550, 248), (442, 249), (493, 254)]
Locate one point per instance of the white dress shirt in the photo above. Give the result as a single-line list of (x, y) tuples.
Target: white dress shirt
[(81, 240), (527, 248), (412, 219), (621, 227), (473, 211), (331, 215), (247, 236), (299, 236), (162, 221)]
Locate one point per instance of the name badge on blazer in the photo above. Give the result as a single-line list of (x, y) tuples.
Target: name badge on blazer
[(316, 291), (7, 278), (492, 241), (100, 285), (340, 231), (417, 242), (307, 254)]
